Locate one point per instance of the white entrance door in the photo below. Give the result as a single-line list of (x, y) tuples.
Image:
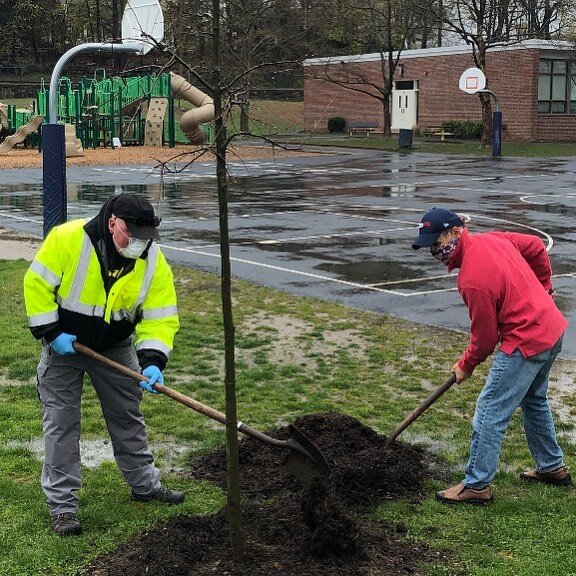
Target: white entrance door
[(404, 105)]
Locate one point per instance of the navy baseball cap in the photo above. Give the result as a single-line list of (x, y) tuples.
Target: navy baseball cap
[(433, 223)]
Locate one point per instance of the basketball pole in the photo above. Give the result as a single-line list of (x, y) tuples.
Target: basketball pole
[(473, 81), (54, 197), (496, 127)]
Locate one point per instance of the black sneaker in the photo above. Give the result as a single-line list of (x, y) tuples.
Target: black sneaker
[(162, 495), (66, 524)]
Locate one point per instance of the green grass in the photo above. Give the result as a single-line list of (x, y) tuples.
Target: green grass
[(295, 356)]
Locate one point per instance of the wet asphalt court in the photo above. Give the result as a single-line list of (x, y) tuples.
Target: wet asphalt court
[(337, 225)]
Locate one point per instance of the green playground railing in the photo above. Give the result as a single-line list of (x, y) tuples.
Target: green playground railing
[(104, 107)]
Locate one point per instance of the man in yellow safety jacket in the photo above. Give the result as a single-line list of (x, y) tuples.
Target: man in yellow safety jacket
[(107, 285)]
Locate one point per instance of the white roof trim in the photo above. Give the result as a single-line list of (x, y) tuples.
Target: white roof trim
[(444, 51)]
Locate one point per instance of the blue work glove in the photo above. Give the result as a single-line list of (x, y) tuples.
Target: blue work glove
[(154, 374), (63, 344)]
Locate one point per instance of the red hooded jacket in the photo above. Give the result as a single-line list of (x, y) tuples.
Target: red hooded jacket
[(504, 281)]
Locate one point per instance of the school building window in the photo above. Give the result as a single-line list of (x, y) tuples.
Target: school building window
[(557, 87)]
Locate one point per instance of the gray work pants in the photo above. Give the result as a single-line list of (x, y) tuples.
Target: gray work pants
[(60, 381)]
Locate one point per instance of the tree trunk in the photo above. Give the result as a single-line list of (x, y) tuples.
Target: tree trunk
[(387, 132), (237, 538), (486, 139), (245, 117)]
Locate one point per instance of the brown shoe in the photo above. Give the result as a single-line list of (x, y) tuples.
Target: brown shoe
[(558, 477), (461, 494)]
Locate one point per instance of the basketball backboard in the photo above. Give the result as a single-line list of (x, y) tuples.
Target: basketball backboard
[(142, 18), (472, 81)]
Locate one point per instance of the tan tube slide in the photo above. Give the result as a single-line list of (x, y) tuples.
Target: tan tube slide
[(3, 115), (204, 111), (21, 134)]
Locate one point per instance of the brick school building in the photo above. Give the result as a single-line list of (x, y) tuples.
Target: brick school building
[(534, 82)]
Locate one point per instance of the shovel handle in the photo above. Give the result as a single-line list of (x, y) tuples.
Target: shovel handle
[(420, 409), (178, 396), (174, 394)]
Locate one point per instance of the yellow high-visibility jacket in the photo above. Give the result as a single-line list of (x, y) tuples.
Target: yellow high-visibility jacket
[(64, 291)]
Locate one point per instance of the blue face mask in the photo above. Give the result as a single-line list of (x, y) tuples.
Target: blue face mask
[(445, 252)]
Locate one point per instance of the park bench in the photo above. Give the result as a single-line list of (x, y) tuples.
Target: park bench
[(436, 131), (361, 126)]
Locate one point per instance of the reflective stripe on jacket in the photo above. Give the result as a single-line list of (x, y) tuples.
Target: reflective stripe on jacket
[(64, 285)]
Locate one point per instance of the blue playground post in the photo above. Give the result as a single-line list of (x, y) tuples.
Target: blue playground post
[(54, 176)]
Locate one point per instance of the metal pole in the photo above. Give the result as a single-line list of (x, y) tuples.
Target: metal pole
[(53, 142)]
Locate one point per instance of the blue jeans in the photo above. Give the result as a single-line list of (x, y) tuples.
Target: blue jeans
[(513, 381)]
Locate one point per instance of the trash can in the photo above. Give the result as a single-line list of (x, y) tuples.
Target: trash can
[(405, 138)]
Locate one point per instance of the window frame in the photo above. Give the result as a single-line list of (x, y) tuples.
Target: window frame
[(565, 69)]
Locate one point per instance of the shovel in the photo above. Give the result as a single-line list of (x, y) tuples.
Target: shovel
[(420, 409), (304, 459)]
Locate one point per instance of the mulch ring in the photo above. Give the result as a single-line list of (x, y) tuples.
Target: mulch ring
[(291, 531)]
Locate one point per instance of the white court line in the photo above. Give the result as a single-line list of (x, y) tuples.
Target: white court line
[(417, 280), (282, 269), (364, 217), (527, 198), (372, 287), (547, 236), (464, 178), (316, 237), (24, 218), (565, 275), (413, 280)]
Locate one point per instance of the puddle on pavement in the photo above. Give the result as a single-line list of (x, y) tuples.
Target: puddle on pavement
[(372, 271), (399, 191)]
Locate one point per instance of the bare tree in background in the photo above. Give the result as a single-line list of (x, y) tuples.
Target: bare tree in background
[(490, 23), (389, 26)]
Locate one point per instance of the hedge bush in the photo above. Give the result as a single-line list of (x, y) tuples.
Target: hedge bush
[(464, 129)]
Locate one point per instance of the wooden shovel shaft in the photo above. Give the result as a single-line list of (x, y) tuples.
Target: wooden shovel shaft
[(420, 409), (178, 396)]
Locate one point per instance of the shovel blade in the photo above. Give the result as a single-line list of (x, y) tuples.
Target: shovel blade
[(304, 459)]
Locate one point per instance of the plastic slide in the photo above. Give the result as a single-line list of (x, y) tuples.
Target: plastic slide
[(3, 115), (20, 135), (204, 111)]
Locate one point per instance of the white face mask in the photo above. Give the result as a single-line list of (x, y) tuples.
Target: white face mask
[(135, 246)]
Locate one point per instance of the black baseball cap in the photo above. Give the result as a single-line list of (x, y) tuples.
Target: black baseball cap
[(139, 216), (433, 223)]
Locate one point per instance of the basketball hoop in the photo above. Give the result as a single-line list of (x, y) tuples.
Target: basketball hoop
[(142, 21)]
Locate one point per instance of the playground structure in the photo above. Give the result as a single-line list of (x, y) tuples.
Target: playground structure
[(102, 111)]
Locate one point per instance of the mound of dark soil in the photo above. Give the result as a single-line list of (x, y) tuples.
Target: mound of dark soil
[(319, 531)]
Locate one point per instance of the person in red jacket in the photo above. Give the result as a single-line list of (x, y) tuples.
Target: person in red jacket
[(505, 281)]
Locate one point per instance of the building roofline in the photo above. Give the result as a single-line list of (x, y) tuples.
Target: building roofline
[(444, 51)]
